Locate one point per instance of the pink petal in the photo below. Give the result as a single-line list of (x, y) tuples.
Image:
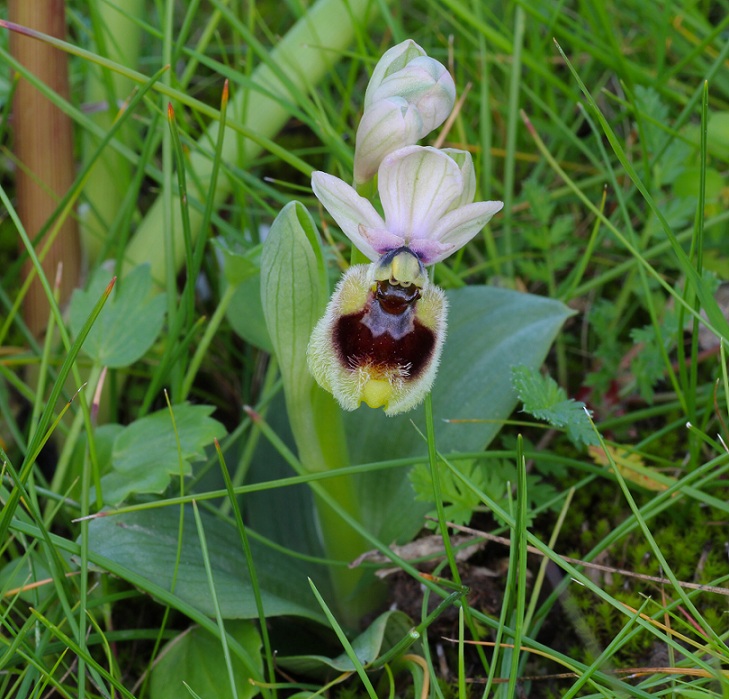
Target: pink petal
[(349, 210), (457, 227), (417, 186)]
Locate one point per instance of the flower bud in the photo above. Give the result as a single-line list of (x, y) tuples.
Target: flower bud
[(408, 96), (381, 337), (392, 60), (390, 124), (426, 85)]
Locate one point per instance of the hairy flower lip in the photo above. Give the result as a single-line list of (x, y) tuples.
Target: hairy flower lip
[(423, 192), (361, 353)]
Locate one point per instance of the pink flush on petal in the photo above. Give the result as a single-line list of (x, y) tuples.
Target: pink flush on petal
[(422, 191)]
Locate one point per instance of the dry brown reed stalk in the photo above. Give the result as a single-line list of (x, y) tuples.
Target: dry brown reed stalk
[(43, 145)]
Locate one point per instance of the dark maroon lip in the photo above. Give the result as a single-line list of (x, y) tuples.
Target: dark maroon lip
[(379, 338)]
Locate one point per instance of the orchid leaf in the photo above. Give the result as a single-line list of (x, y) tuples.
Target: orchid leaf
[(197, 659), (293, 292), (145, 543), (490, 331)]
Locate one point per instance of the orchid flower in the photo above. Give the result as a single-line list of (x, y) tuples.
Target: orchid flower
[(427, 197), (381, 337)]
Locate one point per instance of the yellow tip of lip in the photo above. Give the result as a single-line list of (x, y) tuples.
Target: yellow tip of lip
[(377, 393)]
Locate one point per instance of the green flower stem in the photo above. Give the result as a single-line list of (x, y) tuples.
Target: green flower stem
[(318, 429), (301, 59)]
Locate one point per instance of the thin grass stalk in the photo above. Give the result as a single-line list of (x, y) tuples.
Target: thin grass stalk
[(45, 361), (216, 605), (519, 561), (529, 617), (510, 163), (433, 460), (342, 636), (240, 526), (183, 316), (43, 137), (697, 254)]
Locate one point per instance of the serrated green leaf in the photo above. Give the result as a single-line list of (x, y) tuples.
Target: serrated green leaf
[(196, 658), (145, 454), (545, 400), (129, 323), (145, 543)]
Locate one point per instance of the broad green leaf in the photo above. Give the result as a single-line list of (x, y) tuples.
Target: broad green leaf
[(145, 454), (489, 331), (294, 295), (293, 292), (546, 400), (129, 323), (299, 529), (196, 658), (145, 542), (381, 635)]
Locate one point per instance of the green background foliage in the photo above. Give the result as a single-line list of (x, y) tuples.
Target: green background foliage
[(603, 277)]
